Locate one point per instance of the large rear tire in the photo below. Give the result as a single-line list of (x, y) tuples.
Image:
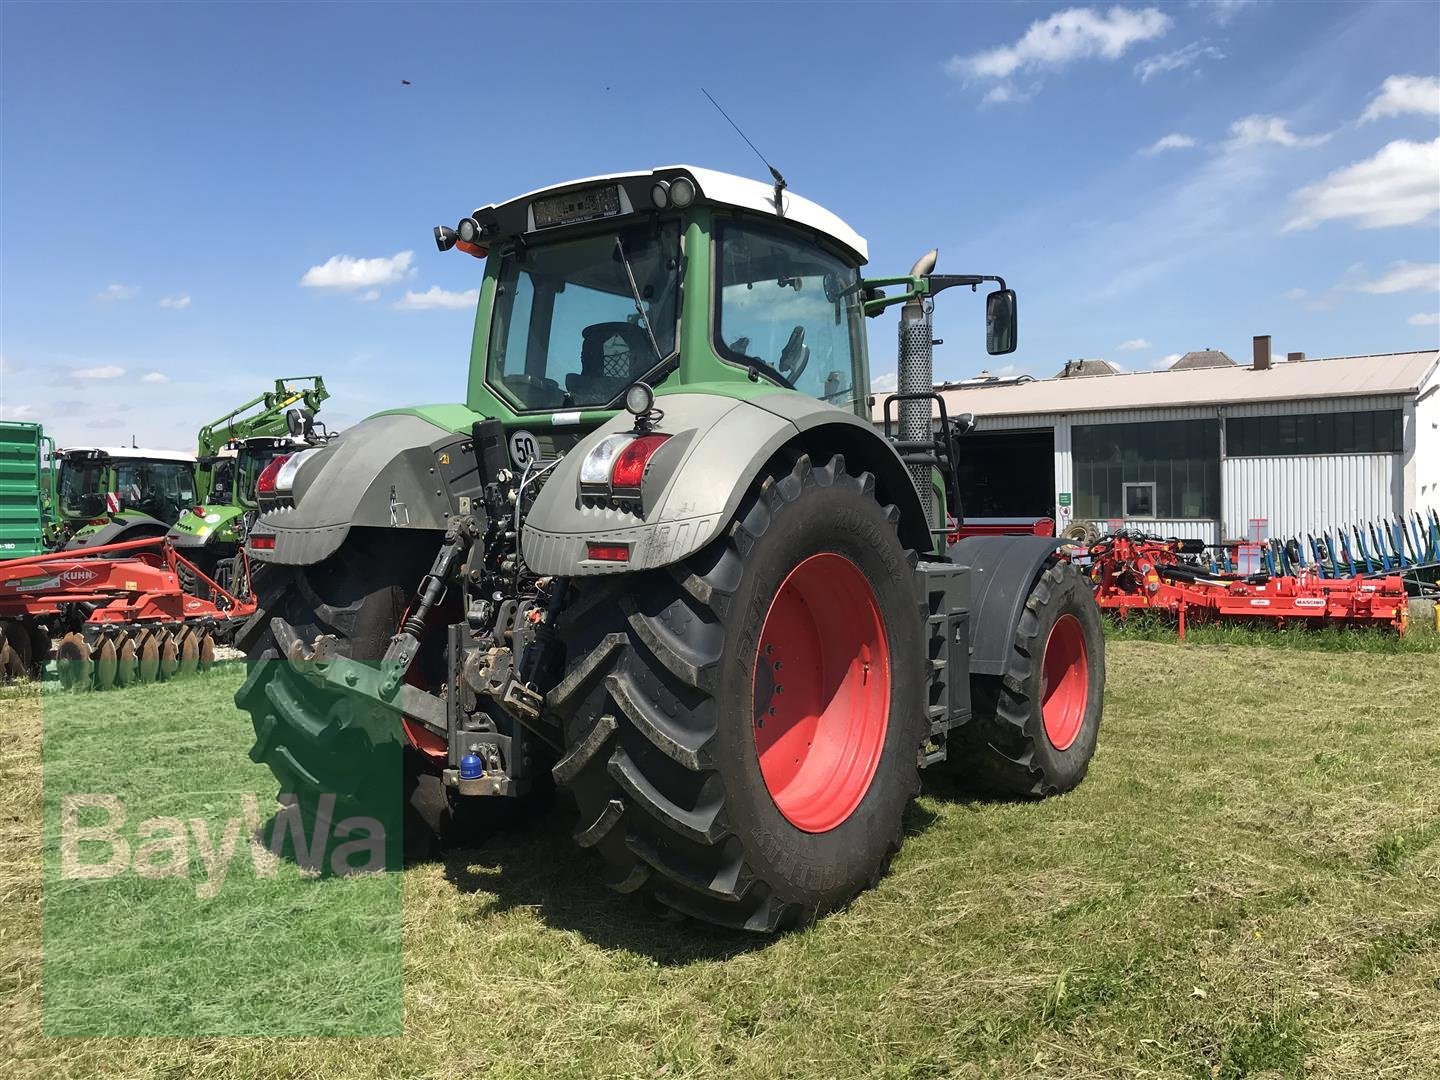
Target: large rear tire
[(742, 730), (316, 742), (1033, 730)]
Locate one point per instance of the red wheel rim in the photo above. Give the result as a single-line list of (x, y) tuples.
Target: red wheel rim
[(822, 692), (1065, 682)]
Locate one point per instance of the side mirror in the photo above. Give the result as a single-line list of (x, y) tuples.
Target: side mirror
[(1001, 322)]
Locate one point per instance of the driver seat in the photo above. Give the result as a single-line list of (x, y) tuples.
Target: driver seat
[(612, 356)]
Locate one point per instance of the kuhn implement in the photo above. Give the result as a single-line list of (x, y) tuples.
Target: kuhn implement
[(118, 611), (1136, 571)]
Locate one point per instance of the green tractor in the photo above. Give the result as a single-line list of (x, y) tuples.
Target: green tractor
[(107, 495), (663, 558), (233, 451)]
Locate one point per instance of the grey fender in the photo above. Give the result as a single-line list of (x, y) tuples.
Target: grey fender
[(117, 532), (384, 472), (1003, 570), (695, 481)]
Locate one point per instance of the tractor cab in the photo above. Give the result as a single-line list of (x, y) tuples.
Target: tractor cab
[(99, 486), (671, 277)]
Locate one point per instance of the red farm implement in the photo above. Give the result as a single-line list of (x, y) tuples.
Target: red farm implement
[(120, 612), (1132, 571)]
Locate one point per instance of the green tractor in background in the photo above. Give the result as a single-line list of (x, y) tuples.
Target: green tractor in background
[(111, 494), (27, 456), (663, 558), (234, 450)]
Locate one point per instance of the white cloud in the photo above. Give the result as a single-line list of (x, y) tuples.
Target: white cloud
[(175, 303), (1174, 141), (154, 377), (118, 292), (1259, 130), (1424, 319), (1398, 186), (1404, 277), (1166, 362), (1072, 34), (1405, 94), (17, 412), (368, 297), (435, 298), (104, 371), (1187, 56), (1009, 94), (347, 273), (1133, 345), (1295, 294), (1222, 11), (885, 383)]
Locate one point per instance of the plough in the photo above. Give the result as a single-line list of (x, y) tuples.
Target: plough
[(1133, 570), (119, 612)]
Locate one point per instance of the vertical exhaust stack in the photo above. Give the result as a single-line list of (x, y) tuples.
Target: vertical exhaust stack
[(1261, 352), (916, 362)]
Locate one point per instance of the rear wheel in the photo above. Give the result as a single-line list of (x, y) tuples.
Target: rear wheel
[(1034, 729), (743, 730)]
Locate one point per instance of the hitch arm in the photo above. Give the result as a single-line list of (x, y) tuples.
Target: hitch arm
[(406, 643)]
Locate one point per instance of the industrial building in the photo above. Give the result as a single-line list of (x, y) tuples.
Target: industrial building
[(1207, 447)]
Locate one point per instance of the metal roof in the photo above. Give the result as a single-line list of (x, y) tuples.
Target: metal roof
[(1340, 376)]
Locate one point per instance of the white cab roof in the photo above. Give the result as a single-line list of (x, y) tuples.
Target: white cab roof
[(135, 452), (742, 192)]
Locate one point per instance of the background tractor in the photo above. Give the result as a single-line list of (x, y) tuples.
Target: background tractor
[(233, 451), (662, 557), (113, 494)]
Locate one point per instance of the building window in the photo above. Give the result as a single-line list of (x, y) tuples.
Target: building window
[(1378, 431), (1170, 467), (1139, 500)]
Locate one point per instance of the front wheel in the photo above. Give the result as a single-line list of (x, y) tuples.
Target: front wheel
[(742, 731), (1034, 729)]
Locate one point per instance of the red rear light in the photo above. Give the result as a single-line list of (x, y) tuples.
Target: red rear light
[(265, 484), (629, 467), (607, 552), (263, 543), (199, 511)]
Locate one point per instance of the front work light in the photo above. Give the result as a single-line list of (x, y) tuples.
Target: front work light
[(682, 191), (639, 399), (660, 194), (445, 237)]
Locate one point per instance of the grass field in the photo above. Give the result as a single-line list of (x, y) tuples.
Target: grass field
[(1248, 884)]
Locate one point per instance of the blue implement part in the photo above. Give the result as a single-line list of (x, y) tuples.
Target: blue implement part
[(1397, 538), (1333, 554), (1379, 547), (1315, 554), (1434, 536), (1364, 551), (1270, 559), (1417, 540)]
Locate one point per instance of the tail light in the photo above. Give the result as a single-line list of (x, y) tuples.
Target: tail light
[(265, 483), (263, 543), (618, 462), (607, 552), (198, 511)]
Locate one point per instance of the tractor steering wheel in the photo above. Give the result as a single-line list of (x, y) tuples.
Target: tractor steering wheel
[(795, 356)]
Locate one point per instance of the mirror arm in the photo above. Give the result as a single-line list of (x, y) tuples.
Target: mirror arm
[(916, 287)]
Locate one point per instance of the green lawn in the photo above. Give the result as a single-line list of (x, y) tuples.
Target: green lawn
[(1248, 884)]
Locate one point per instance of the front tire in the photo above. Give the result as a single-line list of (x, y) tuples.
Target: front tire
[(1034, 729), (698, 780)]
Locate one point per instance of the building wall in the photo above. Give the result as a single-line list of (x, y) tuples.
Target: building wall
[(1294, 494), (1300, 494)]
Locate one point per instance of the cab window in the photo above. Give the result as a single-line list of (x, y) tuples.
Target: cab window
[(790, 306)]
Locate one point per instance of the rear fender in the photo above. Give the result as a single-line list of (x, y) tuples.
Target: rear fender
[(719, 447), (1003, 570), (392, 471)]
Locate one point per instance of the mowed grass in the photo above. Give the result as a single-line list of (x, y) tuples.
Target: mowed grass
[(1248, 884)]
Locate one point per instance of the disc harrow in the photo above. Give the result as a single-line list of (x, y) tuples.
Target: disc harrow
[(119, 615)]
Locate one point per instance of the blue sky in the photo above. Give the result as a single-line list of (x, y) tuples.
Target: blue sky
[(1150, 178)]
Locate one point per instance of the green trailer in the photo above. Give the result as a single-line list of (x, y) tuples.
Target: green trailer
[(25, 492)]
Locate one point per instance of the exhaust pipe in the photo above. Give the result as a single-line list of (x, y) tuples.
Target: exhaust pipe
[(916, 363)]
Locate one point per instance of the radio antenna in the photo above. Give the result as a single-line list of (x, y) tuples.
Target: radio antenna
[(780, 184)]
